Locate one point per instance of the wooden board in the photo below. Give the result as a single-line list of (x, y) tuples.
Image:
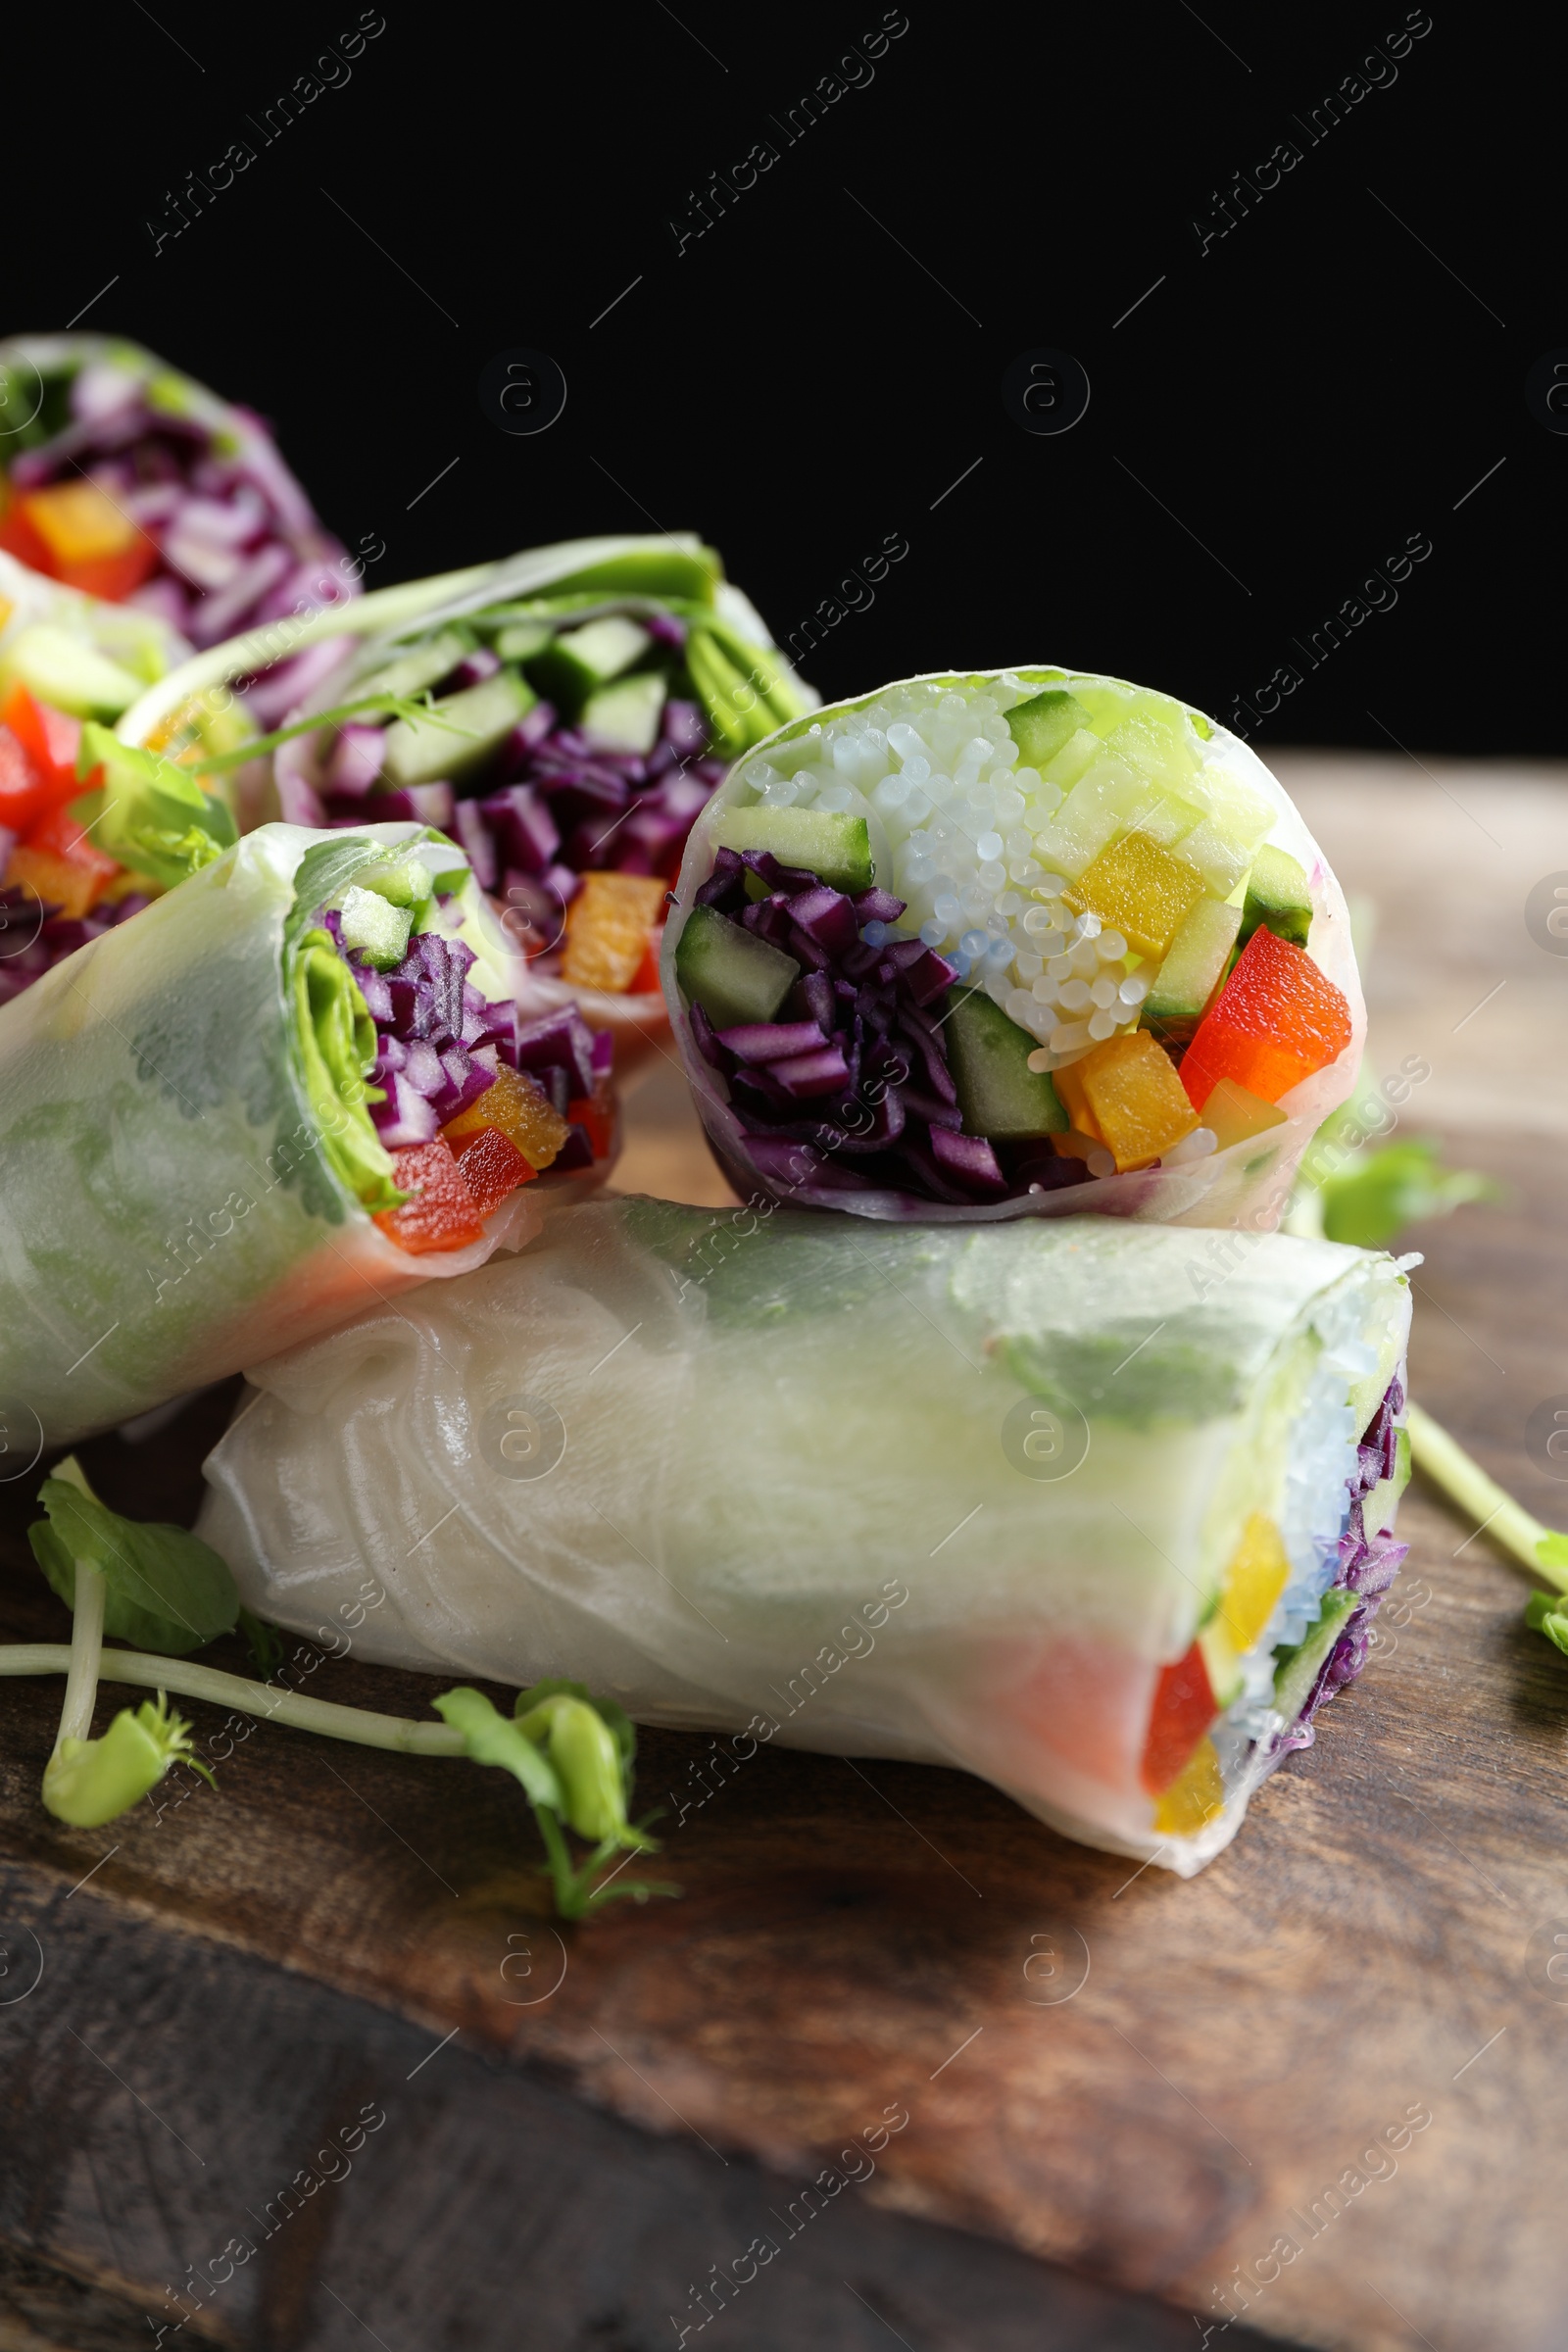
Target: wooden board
[(1149, 2083)]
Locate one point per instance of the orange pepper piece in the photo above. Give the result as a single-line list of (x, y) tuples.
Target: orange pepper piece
[(1136, 1099), (521, 1110), (1276, 1020), (441, 1212), (60, 882), (597, 1114), (609, 924), (88, 541)]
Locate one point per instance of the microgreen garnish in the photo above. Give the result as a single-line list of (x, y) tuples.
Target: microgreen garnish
[(166, 1590), (1534, 1545)]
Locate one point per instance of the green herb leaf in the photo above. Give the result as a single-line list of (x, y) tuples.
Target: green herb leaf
[(88, 1781), (154, 816), (166, 1590), (491, 1738), (1400, 1185), (1547, 1613), (389, 705), (265, 1642)]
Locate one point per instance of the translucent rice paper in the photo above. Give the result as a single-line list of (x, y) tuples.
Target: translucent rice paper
[(952, 1495), (1246, 1184), (391, 621), (168, 1215), (142, 643)]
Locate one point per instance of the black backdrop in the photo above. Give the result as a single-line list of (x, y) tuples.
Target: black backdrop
[(806, 362)]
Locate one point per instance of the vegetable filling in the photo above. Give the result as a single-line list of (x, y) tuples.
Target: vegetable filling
[(1095, 963)]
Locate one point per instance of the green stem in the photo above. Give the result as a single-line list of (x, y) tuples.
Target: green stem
[(83, 1657), (1466, 1484), (400, 1732), (561, 1874)]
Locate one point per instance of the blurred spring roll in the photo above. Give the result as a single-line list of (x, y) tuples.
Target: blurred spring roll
[(125, 477), (584, 701), (1017, 943), (297, 1082), (1098, 1512), (67, 658)]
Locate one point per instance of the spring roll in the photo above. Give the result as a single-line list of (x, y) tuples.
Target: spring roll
[(67, 659), (585, 702), (123, 476), (297, 1082), (1096, 1511), (1023, 943)]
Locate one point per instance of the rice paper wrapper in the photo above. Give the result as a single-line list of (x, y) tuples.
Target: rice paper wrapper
[(953, 1496), (168, 1215), (352, 644), (1247, 1183)]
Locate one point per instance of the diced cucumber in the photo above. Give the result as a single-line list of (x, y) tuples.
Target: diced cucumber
[(1277, 898), (999, 1095), (420, 666), (575, 662), (1220, 1661), (1042, 725), (407, 884), (521, 640), (1109, 801), (626, 716), (68, 673), (1379, 1506), (460, 733), (1217, 855), (731, 973), (825, 842), (1296, 1670), (1073, 757), (1192, 964), (374, 928)]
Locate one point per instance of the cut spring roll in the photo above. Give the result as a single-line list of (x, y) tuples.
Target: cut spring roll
[(296, 1082), (65, 658), (126, 477), (584, 701), (1016, 943), (1098, 1512)]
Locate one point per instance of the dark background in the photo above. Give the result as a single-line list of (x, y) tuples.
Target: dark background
[(1276, 420)]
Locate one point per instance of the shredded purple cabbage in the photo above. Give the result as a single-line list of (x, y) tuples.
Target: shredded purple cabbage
[(439, 1043), (1368, 1566), (236, 537), (552, 805), (850, 1088), (51, 939)]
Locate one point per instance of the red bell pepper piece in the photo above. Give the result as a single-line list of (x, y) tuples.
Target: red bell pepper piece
[(51, 739), (442, 1212), (1276, 1020), (596, 1113), (492, 1167), (1184, 1708), (22, 790)]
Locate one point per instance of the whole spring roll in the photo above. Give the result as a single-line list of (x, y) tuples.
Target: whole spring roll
[(123, 476), (297, 1082), (1021, 942), (1098, 1512), (585, 702)]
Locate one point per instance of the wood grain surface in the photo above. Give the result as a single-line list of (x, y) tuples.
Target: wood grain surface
[(1166, 2091)]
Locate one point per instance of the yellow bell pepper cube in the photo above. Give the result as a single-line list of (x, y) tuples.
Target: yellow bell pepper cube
[(1139, 889), (518, 1109), (1194, 1797), (1254, 1581), (1233, 1114), (78, 522), (1139, 1102), (610, 925)]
